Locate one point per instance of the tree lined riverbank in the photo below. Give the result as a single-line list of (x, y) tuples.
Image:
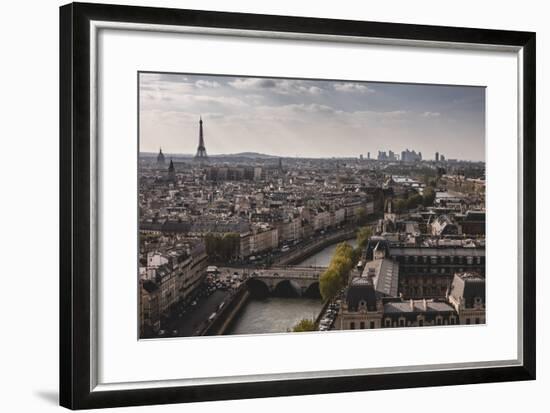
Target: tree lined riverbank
[(278, 314)]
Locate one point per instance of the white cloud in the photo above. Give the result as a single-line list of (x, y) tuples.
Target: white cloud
[(431, 114), (350, 87), (296, 87), (310, 108), (315, 90), (280, 86), (252, 84), (206, 84), (254, 98), (220, 100), (162, 86)]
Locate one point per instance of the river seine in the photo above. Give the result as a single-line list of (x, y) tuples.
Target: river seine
[(277, 314)]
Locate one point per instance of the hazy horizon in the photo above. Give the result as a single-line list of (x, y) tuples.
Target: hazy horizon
[(309, 118)]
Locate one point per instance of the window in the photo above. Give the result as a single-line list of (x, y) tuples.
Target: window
[(352, 325), (477, 320), (420, 323), (401, 323), (372, 324), (388, 322), (362, 325), (452, 320), (438, 321), (467, 321)]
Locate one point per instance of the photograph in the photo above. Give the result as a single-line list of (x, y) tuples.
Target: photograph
[(245, 193), (286, 205)]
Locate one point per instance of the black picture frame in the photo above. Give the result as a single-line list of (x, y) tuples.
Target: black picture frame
[(75, 220)]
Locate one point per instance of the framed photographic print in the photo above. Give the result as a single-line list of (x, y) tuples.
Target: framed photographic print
[(258, 205)]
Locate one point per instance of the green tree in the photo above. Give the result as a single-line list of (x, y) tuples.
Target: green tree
[(361, 216), (363, 236), (428, 196), (304, 324), (343, 248), (337, 273), (414, 200), (329, 283), (343, 265), (222, 247), (400, 205), (230, 245), (357, 252)]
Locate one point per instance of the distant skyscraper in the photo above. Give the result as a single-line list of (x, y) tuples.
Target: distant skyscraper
[(442, 158), (411, 156), (437, 156), (160, 158), (201, 150), (361, 156), (368, 155)]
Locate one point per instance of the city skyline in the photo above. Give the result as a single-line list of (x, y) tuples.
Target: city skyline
[(309, 118)]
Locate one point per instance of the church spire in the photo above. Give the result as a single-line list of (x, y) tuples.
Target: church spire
[(171, 170)]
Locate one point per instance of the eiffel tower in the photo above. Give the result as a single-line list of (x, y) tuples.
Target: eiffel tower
[(201, 150)]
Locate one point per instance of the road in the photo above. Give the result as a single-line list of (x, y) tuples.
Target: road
[(196, 315)]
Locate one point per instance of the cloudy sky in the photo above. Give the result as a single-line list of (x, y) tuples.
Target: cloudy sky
[(309, 118)]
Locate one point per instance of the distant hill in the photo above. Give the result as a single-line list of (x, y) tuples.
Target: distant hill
[(247, 155), (254, 155)]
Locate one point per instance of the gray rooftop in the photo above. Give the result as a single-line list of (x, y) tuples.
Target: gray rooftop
[(416, 306), (386, 276), (441, 251)]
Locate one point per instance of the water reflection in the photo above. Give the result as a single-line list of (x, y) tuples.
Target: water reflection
[(275, 314), (323, 257)]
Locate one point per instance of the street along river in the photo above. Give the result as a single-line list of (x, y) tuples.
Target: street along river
[(280, 314)]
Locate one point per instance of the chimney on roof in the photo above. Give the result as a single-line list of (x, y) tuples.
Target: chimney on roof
[(371, 272), (411, 302), (425, 304)]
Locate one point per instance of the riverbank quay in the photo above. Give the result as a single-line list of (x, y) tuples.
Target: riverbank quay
[(224, 317), (305, 251)]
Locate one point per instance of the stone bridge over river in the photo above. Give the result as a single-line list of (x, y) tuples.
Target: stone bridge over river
[(285, 281)]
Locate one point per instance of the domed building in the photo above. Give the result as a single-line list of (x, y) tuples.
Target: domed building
[(160, 158)]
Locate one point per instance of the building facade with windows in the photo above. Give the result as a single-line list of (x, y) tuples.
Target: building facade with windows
[(373, 300), (467, 296), (427, 272), (169, 276)]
